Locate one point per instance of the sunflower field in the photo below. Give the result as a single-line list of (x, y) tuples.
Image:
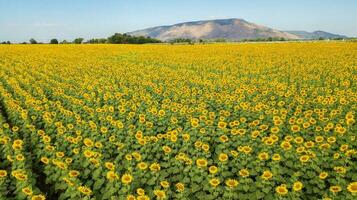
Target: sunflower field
[(212, 121)]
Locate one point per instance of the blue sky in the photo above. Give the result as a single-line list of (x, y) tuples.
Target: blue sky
[(21, 20)]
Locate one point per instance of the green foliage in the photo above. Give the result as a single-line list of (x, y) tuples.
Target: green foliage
[(269, 39), (119, 38), (220, 40), (54, 41), (181, 40), (78, 41), (97, 41), (33, 41), (65, 42)]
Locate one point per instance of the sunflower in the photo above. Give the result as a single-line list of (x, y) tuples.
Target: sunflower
[(319, 139), (263, 156), (104, 130), (144, 197), (186, 137), (160, 194), (299, 140), (164, 184), (17, 144), (27, 191), (247, 149), (73, 173), (223, 138), (340, 170), (323, 175), (276, 157), (180, 187), (85, 190), (126, 178), (128, 157), (60, 154), (267, 175), (304, 158), (88, 142), (275, 129), (142, 165), (213, 169), (335, 189), (205, 147), (232, 183), (46, 139), (109, 165), (244, 173), (285, 145), (309, 144), (295, 128), (3, 173), (297, 186), (214, 182), (140, 191), (131, 197), (198, 144), (111, 175), (88, 154), (281, 190), (222, 125), (201, 162), (45, 160), (352, 187), (155, 167), (223, 157), (38, 197), (166, 149), (19, 175)]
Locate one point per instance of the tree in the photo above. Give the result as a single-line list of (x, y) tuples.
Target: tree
[(220, 40), (33, 41), (181, 40), (64, 42), (54, 41), (97, 41), (78, 40), (119, 38)]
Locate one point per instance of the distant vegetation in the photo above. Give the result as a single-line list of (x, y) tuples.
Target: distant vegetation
[(54, 41), (33, 41), (269, 39), (181, 40), (119, 38), (97, 41), (78, 41)]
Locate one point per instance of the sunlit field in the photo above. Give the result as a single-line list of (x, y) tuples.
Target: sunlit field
[(214, 121)]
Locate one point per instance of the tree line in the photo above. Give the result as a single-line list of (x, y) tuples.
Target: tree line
[(117, 38)]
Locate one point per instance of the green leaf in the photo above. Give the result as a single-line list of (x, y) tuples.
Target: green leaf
[(98, 184), (245, 188)]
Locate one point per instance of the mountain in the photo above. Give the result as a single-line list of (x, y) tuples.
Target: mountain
[(230, 29), (316, 35)]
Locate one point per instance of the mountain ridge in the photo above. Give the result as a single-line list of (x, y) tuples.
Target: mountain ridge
[(230, 29), (316, 34)]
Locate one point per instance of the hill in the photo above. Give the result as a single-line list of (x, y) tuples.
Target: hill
[(316, 35), (230, 29)]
